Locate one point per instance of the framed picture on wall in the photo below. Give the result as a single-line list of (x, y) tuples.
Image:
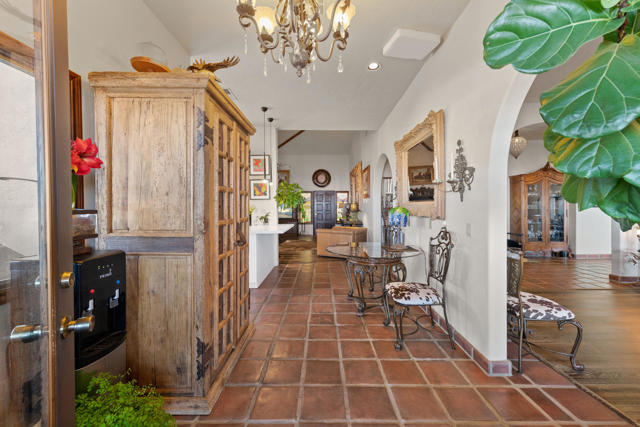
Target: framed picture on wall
[(259, 166), (420, 175), (283, 176), (260, 189), (366, 178)]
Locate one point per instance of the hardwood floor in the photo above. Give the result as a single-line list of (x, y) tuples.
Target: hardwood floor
[(299, 251), (610, 315)]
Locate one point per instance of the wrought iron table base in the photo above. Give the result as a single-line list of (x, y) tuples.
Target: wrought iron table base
[(361, 276)]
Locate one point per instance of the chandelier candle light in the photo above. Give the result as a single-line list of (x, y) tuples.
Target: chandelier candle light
[(295, 28)]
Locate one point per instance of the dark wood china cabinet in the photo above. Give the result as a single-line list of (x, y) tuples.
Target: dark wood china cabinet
[(539, 212)]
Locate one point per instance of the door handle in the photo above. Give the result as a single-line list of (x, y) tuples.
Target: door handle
[(27, 333), (240, 239), (82, 324)]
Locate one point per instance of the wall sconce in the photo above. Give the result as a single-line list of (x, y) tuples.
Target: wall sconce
[(460, 175)]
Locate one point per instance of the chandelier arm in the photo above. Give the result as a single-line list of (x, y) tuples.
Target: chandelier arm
[(329, 30), (342, 46), (278, 15), (265, 47)]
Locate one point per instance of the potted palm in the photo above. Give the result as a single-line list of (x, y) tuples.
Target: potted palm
[(289, 196)]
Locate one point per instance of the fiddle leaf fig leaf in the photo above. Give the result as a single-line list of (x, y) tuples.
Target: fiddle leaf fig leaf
[(586, 192), (632, 6), (625, 224), (615, 155), (623, 201), (538, 35), (601, 96), (609, 3), (615, 197)]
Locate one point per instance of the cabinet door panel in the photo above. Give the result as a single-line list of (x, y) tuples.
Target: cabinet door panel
[(225, 187), (160, 321), (149, 166), (242, 230)]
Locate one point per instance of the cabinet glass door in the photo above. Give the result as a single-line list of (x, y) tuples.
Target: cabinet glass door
[(556, 213), (534, 212)]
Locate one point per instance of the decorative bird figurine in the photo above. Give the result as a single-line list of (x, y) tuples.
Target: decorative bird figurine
[(200, 65)]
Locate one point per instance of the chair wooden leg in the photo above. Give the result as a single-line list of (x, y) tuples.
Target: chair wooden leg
[(576, 344), (446, 320), (398, 315)]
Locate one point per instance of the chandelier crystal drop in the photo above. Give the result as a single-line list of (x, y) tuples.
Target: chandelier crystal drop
[(296, 28)]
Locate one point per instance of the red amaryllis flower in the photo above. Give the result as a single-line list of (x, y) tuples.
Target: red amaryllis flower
[(84, 156)]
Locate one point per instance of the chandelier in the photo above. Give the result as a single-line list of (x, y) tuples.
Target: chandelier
[(295, 28)]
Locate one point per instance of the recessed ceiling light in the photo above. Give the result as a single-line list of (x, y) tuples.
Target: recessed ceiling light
[(374, 66)]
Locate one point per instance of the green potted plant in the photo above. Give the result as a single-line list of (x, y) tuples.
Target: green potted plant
[(111, 401), (265, 218), (289, 196), (593, 131)]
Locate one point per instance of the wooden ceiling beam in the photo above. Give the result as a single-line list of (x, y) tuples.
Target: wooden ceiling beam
[(424, 144), (297, 134)]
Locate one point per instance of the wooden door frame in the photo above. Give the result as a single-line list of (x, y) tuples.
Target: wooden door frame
[(53, 66)]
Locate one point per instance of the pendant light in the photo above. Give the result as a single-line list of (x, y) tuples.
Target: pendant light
[(270, 119), (264, 142), (518, 144)]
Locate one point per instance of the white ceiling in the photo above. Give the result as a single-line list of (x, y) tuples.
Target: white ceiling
[(316, 142), (354, 100)]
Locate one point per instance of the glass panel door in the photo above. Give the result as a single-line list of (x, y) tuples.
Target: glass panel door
[(30, 164), (534, 212), (556, 213)]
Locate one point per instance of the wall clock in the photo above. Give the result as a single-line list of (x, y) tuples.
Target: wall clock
[(321, 178)]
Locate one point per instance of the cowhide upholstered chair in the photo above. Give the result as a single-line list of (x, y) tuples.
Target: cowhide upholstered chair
[(524, 307), (414, 294)]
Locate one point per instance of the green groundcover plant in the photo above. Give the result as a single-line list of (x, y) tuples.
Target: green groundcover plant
[(109, 401), (593, 133)]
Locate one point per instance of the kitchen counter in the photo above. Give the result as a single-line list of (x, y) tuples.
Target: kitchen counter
[(263, 250), (270, 229)]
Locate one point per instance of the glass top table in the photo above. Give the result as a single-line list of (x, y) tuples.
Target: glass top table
[(367, 262), (372, 251)]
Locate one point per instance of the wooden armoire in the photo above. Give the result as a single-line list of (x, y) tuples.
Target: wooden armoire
[(539, 212), (173, 193)]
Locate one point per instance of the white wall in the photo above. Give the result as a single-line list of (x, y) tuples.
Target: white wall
[(589, 231), (593, 233), (481, 107), (302, 166), (103, 36)]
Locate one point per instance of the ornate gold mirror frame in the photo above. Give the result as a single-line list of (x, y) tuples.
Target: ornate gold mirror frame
[(433, 125)]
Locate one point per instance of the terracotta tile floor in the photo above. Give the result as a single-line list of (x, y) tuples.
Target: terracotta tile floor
[(312, 362)]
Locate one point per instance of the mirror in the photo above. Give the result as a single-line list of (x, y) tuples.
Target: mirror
[(420, 168)]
